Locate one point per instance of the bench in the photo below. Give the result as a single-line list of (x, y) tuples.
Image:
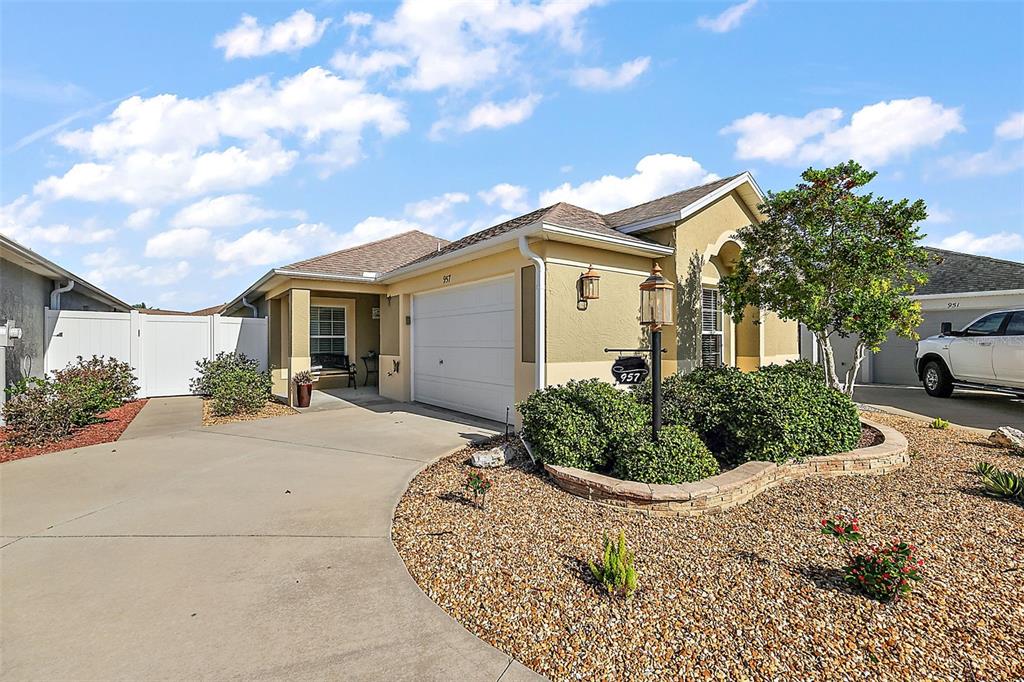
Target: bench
[(332, 365)]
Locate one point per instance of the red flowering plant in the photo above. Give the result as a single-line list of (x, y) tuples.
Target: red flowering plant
[(885, 572), (480, 485)]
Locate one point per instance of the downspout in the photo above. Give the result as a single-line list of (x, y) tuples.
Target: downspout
[(57, 291), (540, 331), (250, 306)]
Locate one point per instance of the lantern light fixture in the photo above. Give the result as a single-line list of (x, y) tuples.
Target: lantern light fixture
[(655, 300), (590, 285)]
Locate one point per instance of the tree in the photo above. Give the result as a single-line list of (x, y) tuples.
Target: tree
[(840, 262)]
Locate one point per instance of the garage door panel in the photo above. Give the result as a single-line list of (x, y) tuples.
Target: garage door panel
[(463, 348)]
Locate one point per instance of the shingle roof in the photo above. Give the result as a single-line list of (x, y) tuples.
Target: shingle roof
[(664, 205), (962, 272), (560, 214), (380, 256), (212, 310)]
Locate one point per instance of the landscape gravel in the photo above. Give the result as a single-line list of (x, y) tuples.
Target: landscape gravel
[(755, 593), (270, 409)]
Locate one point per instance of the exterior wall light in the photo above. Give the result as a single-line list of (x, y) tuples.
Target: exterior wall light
[(655, 300), (590, 285)]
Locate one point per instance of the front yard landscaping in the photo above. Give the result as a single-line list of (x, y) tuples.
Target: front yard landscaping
[(755, 592), (109, 428)]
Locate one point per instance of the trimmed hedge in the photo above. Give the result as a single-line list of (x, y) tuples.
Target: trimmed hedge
[(234, 382), (777, 413), (679, 456), (580, 424)]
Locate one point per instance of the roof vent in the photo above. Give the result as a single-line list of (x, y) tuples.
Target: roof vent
[(439, 247), (371, 275)]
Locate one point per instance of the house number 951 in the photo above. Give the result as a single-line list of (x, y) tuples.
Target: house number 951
[(446, 279)]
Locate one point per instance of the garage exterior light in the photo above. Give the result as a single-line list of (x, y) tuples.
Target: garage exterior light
[(590, 285)]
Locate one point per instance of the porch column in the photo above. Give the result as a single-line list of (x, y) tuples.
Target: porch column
[(277, 326), (298, 336)]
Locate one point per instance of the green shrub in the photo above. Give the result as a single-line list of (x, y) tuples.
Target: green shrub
[(85, 399), (580, 424), (939, 423), (885, 573), (774, 414), (999, 483), (35, 413), (616, 570), (212, 373), (240, 390), (101, 383), (679, 456)]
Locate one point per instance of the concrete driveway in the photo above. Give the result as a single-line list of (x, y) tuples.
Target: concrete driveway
[(979, 409), (253, 550)]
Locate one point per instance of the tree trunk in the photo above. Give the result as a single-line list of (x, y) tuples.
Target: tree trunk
[(851, 374), (828, 361)]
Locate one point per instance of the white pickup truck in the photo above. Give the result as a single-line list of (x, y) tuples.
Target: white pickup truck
[(987, 353)]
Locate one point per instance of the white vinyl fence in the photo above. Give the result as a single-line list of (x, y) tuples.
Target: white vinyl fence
[(162, 349)]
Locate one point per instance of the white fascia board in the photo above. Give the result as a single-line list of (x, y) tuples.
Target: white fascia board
[(413, 268), (604, 239), (701, 203), (294, 274), (976, 294)]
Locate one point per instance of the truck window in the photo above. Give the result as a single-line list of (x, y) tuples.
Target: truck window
[(986, 326), (1015, 327)]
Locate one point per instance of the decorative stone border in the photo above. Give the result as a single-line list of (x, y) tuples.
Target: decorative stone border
[(734, 487)]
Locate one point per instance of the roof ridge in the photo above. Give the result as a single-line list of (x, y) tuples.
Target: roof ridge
[(976, 255), (670, 194), (364, 244)]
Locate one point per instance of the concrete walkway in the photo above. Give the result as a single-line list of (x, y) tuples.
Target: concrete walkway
[(163, 416), (253, 550)]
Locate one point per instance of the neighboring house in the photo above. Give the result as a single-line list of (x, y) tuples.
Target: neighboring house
[(29, 284), (961, 288), (479, 323)]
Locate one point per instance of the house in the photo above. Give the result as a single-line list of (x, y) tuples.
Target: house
[(961, 287), (477, 324), (29, 284)]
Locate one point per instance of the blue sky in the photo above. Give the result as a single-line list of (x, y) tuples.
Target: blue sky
[(174, 152)]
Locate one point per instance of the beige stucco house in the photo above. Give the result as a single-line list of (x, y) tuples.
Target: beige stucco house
[(477, 324)]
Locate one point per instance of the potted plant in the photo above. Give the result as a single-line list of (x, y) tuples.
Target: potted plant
[(303, 388)]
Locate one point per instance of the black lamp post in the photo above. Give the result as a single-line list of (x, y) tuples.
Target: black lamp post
[(655, 311)]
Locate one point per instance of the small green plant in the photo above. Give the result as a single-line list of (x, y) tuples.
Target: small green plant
[(616, 571), (939, 423), (303, 378), (984, 468), (479, 485), (235, 383), (1005, 484), (36, 413), (884, 572)]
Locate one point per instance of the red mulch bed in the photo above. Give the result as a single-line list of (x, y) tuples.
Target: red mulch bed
[(110, 429)]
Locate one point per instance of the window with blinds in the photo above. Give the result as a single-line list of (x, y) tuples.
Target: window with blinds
[(326, 329), (711, 328)]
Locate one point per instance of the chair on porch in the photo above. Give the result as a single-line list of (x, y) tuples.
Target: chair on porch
[(333, 365)]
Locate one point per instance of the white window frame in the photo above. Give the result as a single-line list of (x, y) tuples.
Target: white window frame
[(343, 337), (718, 325)]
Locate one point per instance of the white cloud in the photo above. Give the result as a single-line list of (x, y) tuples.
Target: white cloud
[(361, 66), (656, 175), (937, 216), (249, 39), (875, 134), (156, 150), (358, 19), (182, 241), (489, 114), (374, 228), (1000, 244), (596, 78), (19, 220), (142, 218), (778, 138), (428, 209), (727, 20), (994, 161), (1012, 128), (265, 246), (462, 45), (229, 210), (110, 266), (506, 195)]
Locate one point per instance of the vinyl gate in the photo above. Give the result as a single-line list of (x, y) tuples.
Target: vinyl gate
[(162, 349)]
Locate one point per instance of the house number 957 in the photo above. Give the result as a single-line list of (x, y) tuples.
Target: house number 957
[(446, 279)]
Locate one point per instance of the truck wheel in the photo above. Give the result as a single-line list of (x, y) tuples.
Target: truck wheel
[(936, 379)]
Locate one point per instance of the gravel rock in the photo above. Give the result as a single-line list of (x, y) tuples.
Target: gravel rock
[(493, 458), (1007, 437), (754, 593)]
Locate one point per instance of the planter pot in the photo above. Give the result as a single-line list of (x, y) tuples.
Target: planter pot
[(303, 392)]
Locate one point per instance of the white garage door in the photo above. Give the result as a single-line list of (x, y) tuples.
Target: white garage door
[(463, 348)]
